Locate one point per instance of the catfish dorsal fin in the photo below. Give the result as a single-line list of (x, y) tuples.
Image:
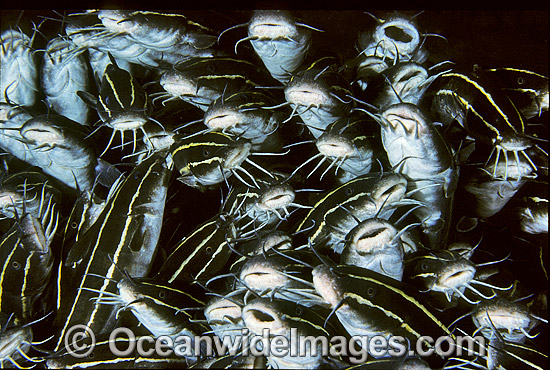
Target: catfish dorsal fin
[(113, 60), (88, 98)]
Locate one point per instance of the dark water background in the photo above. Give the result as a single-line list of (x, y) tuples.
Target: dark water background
[(500, 38), (496, 38)]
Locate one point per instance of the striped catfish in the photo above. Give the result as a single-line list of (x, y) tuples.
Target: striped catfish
[(15, 344), (375, 244), (295, 323), (476, 102), (246, 114), (491, 187), (200, 81), (118, 45), (124, 237), (447, 273), (393, 39), (280, 42), (203, 253), (169, 32), (163, 309), (420, 153), (369, 303), (348, 143), (63, 74), (527, 89), (210, 158), (122, 104), (26, 262), (264, 206), (367, 196), (404, 82), (281, 275), (512, 320), (534, 215), (57, 145), (27, 192), (102, 357), (82, 30), (19, 73), (224, 316), (319, 94)]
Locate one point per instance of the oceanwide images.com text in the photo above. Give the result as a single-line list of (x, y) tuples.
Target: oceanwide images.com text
[(123, 343)]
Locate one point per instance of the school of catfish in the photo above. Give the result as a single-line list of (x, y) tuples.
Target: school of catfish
[(210, 173)]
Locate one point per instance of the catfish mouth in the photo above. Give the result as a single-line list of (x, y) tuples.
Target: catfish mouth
[(266, 25), (15, 340), (42, 134), (407, 116), (409, 78), (507, 168), (276, 239), (277, 197), (176, 84), (514, 144), (56, 49), (372, 65), (503, 318), (326, 285), (161, 141), (261, 275), (456, 275), (390, 190), (237, 155), (223, 119), (128, 121), (258, 315), (307, 94), (334, 146), (372, 235), (128, 291), (222, 310), (399, 33), (412, 72)]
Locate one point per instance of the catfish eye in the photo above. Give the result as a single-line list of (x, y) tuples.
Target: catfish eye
[(299, 311), (162, 295), (210, 67), (371, 292), (74, 225), (208, 250), (16, 265), (349, 191), (206, 153), (424, 266), (521, 80)]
